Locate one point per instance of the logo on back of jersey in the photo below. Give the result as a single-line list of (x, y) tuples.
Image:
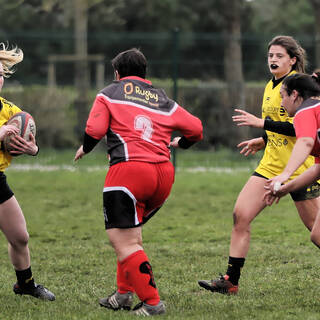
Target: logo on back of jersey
[(138, 94)]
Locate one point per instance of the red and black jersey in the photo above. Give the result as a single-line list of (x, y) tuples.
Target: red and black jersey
[(307, 124), (138, 121)]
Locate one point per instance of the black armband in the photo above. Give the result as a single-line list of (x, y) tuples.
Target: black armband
[(184, 143), (282, 127), (89, 143), (265, 138)]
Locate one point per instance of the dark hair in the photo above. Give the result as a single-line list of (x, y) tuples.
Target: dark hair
[(293, 49), (306, 85), (131, 62)]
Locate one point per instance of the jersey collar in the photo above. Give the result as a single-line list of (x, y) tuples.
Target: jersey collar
[(276, 82), (136, 78)]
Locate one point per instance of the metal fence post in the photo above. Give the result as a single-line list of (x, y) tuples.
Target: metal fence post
[(175, 64)]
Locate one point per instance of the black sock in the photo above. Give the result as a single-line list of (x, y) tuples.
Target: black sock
[(234, 269), (25, 278)]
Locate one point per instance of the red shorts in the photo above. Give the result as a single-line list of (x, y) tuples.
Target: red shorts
[(134, 191)]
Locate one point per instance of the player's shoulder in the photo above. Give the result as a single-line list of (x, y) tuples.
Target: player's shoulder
[(309, 105), (6, 104), (110, 89)]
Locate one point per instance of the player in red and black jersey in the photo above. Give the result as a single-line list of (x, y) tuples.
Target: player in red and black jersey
[(137, 120), (301, 98)]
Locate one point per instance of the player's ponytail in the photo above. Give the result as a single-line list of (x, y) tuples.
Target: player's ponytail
[(9, 57)]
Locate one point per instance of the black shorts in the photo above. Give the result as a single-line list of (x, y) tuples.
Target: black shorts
[(5, 191), (305, 193)]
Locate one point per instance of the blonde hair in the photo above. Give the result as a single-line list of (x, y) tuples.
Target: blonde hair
[(9, 57)]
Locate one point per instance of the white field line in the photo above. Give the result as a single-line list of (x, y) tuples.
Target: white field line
[(71, 168)]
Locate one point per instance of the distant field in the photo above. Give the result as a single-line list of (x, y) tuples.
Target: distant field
[(187, 240)]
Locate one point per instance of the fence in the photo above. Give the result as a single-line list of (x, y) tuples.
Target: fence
[(188, 65)]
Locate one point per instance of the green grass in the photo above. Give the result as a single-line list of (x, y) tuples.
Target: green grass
[(187, 240)]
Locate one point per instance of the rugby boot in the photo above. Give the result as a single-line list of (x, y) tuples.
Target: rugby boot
[(220, 285), (37, 291), (117, 301), (144, 309)]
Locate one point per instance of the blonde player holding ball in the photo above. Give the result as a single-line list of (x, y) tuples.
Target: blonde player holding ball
[(12, 221), (285, 57)]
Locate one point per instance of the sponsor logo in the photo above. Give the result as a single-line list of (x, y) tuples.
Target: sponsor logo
[(136, 93), (282, 111), (277, 142)]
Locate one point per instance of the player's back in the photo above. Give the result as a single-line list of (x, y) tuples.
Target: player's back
[(142, 119)]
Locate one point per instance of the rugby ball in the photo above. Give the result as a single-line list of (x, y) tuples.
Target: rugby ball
[(26, 125)]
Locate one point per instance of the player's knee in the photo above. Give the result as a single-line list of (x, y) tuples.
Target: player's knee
[(20, 241), (240, 220)]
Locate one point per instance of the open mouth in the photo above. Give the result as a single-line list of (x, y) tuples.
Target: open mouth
[(274, 66)]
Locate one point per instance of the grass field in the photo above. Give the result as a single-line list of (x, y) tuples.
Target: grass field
[(187, 240)]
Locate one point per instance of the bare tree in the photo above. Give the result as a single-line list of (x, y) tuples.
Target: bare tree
[(232, 53), (233, 57)]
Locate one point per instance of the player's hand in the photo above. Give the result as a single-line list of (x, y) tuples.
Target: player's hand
[(8, 129), (23, 146), (79, 154), (251, 146), (174, 143), (275, 184), (269, 198), (245, 118)]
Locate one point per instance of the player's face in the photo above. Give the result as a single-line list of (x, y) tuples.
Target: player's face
[(1, 76), (289, 102), (279, 61)]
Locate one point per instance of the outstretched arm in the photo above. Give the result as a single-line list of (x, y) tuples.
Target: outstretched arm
[(245, 118), (309, 176)]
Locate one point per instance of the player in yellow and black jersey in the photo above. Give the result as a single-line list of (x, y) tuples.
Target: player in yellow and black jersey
[(12, 221), (285, 56)]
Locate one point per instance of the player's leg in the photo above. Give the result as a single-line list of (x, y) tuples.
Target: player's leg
[(308, 210), (307, 202), (315, 232), (248, 205), (123, 210), (13, 225)]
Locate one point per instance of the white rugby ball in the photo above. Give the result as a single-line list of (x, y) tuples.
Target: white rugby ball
[(26, 125)]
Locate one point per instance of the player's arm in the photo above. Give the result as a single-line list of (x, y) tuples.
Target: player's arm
[(190, 126), (282, 127), (96, 128), (309, 176), (244, 118)]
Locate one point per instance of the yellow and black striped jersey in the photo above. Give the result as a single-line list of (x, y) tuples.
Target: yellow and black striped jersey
[(7, 110), (279, 146)]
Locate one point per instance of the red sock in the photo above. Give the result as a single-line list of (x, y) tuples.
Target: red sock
[(140, 276), (122, 280)]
